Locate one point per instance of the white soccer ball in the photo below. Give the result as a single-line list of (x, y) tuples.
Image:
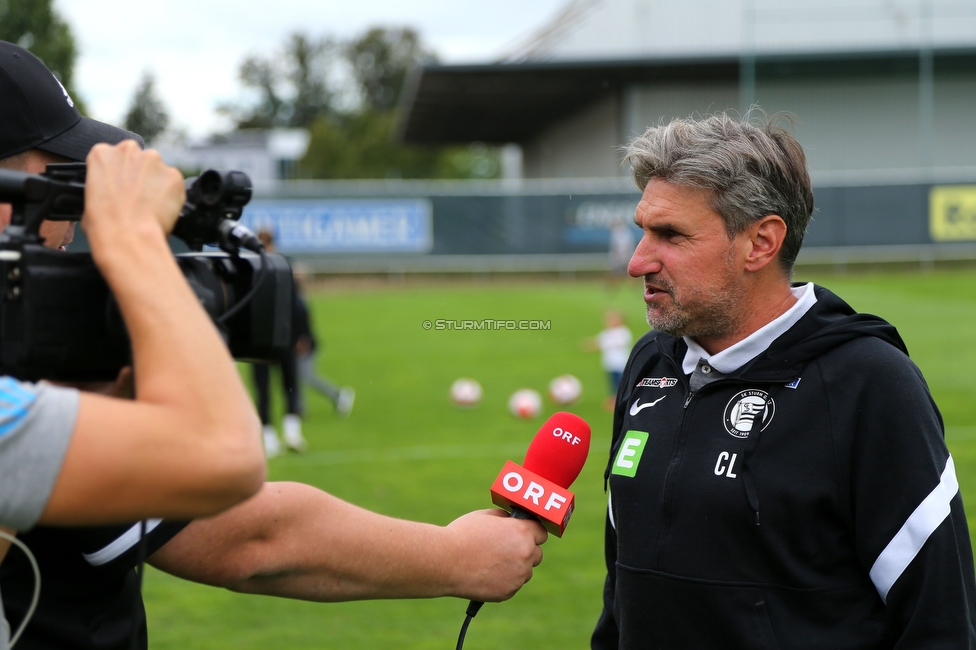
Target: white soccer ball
[(565, 389), (525, 403), (466, 392)]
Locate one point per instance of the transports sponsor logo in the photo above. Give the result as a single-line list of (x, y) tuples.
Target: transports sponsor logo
[(657, 382)]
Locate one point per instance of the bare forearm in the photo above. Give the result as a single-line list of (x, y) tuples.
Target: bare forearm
[(354, 555), (298, 542)]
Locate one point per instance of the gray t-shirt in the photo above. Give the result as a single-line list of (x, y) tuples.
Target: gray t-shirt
[(36, 421)]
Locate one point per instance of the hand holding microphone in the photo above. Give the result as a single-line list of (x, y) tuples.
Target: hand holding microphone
[(539, 488)]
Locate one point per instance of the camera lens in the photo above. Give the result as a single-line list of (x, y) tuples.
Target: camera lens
[(211, 187)]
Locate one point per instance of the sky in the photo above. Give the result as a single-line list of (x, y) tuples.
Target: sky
[(194, 47)]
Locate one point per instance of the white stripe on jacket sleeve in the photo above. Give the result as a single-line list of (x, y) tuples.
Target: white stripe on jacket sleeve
[(122, 543), (908, 541)]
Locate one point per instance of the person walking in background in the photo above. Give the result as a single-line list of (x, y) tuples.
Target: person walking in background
[(306, 352), (613, 343), (291, 423), (622, 243)]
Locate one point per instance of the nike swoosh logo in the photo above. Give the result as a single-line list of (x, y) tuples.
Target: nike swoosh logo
[(637, 407)]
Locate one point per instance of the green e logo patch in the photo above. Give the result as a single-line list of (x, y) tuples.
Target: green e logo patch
[(629, 454)]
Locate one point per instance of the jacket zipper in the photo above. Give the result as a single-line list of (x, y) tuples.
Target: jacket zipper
[(669, 475)]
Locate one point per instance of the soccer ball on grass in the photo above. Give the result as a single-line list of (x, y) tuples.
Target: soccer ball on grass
[(565, 389), (525, 403), (466, 392)]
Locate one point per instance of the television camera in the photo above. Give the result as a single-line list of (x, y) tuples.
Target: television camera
[(58, 318)]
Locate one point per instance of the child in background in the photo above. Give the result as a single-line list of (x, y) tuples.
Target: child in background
[(614, 344)]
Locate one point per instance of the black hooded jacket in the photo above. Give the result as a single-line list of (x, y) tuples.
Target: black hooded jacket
[(806, 500)]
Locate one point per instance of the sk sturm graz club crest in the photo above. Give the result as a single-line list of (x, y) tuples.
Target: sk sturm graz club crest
[(750, 410)]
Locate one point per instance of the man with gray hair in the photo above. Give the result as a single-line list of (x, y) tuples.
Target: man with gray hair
[(778, 475)]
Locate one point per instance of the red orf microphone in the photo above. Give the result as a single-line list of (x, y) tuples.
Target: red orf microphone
[(539, 488)]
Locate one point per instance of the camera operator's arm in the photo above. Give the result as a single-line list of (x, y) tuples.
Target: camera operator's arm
[(189, 444), (296, 541)]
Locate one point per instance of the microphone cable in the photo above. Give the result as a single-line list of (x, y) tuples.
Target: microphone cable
[(37, 587), (473, 607)]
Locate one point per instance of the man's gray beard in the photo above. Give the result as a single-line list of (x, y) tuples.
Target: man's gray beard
[(714, 316), (710, 321)]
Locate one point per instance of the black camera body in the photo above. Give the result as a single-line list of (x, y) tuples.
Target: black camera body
[(58, 318)]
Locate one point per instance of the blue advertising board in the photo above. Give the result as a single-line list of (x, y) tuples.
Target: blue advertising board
[(344, 225)]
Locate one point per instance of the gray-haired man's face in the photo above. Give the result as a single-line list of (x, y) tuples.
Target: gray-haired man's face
[(691, 269)]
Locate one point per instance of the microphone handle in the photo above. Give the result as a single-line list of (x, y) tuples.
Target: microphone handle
[(517, 513)]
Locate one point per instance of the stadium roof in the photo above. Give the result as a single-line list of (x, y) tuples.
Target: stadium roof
[(498, 103), (593, 48), (512, 102)]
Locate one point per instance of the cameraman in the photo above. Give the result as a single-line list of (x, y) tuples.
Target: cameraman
[(188, 445), (290, 540)]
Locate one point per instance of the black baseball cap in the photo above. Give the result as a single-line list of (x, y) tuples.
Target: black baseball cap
[(37, 113)]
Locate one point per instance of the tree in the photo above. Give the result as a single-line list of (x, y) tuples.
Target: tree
[(36, 26), (309, 77), (292, 90), (380, 60), (351, 126), (147, 115), (261, 76), (359, 142), (362, 145)]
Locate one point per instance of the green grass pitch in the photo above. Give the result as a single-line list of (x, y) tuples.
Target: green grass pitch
[(407, 451)]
